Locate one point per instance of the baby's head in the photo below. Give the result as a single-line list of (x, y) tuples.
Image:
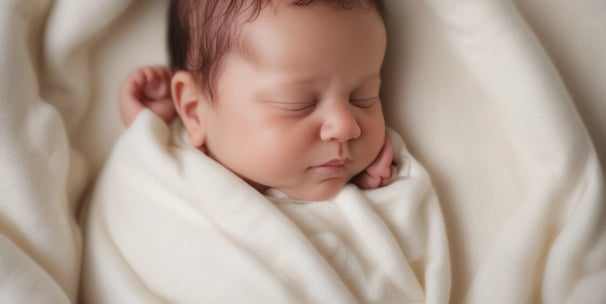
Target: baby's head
[(284, 93)]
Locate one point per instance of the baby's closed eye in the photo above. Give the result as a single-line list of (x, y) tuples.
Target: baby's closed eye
[(364, 102), (294, 106)]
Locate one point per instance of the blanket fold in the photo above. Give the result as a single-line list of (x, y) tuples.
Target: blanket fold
[(542, 252), (165, 217), (39, 237)]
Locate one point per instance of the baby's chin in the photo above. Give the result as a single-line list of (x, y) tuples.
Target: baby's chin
[(319, 192)]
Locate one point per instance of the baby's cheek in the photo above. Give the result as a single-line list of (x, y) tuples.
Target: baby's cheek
[(374, 144), (273, 160)]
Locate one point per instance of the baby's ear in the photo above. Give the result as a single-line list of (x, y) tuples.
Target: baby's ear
[(190, 104)]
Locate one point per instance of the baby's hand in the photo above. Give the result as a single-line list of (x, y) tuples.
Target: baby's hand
[(380, 171), (147, 87)]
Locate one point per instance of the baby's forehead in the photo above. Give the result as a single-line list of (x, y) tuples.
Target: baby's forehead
[(289, 26)]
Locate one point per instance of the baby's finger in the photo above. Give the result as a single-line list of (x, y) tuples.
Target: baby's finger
[(392, 172), (366, 181), (380, 167)]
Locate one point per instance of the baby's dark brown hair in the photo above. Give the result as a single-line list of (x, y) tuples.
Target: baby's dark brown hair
[(200, 32)]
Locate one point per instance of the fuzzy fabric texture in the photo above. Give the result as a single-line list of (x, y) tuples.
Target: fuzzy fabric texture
[(165, 216), (502, 101)]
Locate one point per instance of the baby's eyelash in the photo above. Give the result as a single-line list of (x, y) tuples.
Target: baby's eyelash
[(364, 102), (302, 107), (295, 106)]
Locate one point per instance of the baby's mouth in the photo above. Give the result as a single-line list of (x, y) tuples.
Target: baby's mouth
[(333, 168)]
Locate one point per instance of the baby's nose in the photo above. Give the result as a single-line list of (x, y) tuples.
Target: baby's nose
[(340, 125)]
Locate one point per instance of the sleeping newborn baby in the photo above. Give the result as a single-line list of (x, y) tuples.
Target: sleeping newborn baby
[(149, 88), (279, 182)]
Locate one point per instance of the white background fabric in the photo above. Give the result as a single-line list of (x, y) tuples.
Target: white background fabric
[(503, 102)]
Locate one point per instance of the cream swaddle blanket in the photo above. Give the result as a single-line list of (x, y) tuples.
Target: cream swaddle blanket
[(168, 224)]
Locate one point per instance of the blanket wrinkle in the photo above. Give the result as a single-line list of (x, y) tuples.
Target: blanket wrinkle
[(40, 238), (571, 265), (71, 31), (555, 169), (571, 32), (386, 247), (23, 279), (248, 238), (386, 244)]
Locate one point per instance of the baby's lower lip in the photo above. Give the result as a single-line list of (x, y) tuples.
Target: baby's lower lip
[(329, 170)]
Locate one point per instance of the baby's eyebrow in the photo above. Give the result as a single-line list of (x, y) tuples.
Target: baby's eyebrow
[(245, 48)]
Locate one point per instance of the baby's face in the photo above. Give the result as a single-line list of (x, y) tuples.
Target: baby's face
[(300, 110)]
